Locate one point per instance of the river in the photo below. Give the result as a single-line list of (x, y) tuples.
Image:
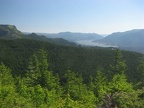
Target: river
[(91, 43)]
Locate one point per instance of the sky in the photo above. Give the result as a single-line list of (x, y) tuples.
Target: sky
[(87, 16)]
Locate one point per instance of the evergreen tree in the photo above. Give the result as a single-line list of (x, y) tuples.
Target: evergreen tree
[(33, 71), (119, 65), (6, 83), (98, 85), (9, 98), (42, 81), (77, 93), (119, 92), (21, 87), (42, 57), (5, 75)]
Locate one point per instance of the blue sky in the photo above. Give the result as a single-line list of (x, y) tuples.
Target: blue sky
[(88, 16)]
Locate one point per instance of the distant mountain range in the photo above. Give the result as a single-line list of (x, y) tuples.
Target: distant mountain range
[(132, 40), (70, 36), (11, 32)]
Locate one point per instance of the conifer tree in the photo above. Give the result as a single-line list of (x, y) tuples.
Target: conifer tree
[(42, 57), (118, 85), (33, 72), (119, 65), (98, 85), (120, 93), (9, 98), (42, 81), (77, 93)]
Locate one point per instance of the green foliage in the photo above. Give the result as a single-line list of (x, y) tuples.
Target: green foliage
[(77, 92), (99, 86), (16, 53), (42, 88), (115, 93), (8, 96), (119, 65), (141, 71), (33, 72), (118, 89), (5, 75)]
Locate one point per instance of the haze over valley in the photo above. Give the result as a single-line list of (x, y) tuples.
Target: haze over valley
[(132, 40)]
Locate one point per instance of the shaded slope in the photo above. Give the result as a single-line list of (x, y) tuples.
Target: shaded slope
[(9, 32), (16, 53), (130, 40), (58, 41)]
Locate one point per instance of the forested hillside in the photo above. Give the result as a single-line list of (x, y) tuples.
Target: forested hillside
[(39, 87), (86, 60)]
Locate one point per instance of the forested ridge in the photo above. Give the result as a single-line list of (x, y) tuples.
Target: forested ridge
[(43, 75)]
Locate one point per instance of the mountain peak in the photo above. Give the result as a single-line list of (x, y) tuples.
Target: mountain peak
[(9, 31), (8, 26)]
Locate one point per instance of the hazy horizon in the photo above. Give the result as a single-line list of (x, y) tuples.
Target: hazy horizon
[(86, 16)]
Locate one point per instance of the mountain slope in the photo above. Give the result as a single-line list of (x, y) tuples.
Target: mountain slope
[(10, 32), (133, 39), (58, 41), (16, 53)]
